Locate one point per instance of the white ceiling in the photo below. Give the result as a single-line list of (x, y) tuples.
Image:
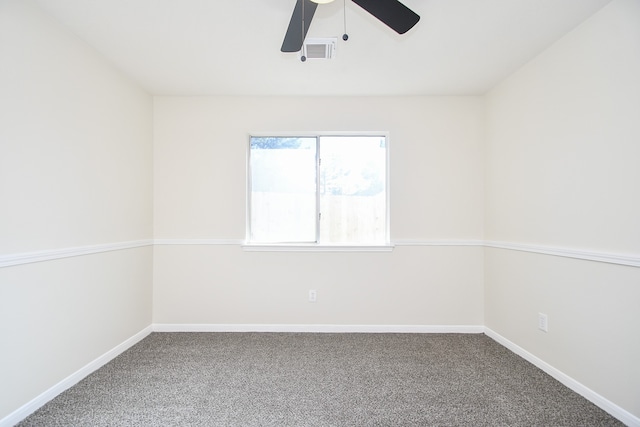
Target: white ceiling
[(232, 47)]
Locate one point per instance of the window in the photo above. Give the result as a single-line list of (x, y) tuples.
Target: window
[(318, 190)]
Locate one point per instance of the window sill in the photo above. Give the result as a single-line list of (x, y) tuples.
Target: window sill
[(272, 247)]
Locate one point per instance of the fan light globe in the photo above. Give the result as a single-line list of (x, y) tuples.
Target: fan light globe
[(322, 1)]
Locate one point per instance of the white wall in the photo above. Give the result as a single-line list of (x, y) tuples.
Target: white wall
[(200, 151), (563, 171), (75, 171)]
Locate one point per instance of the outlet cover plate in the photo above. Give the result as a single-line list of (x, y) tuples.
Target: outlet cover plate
[(543, 322)]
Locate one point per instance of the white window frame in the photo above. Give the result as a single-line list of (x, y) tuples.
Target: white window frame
[(317, 246)]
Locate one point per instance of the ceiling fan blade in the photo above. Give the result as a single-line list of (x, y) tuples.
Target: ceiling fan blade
[(294, 38), (392, 13)]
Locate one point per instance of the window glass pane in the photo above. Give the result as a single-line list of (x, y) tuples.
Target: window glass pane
[(283, 190), (353, 190)]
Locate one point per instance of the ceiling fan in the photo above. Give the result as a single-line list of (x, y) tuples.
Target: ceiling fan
[(394, 14)]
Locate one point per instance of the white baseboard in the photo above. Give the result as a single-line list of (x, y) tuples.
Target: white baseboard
[(30, 407), (433, 329), (626, 417)]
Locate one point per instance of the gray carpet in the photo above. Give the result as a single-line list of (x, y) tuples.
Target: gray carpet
[(295, 379)]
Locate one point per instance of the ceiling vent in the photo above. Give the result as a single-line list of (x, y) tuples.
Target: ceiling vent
[(319, 48)]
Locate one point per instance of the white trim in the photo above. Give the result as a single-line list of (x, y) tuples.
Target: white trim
[(608, 406), (48, 255), (315, 248), (243, 243), (317, 135), (632, 260), (313, 134), (213, 242), (413, 329), (410, 242), (33, 405)]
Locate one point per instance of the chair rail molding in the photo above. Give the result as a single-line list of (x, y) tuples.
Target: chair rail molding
[(632, 260), (52, 254)]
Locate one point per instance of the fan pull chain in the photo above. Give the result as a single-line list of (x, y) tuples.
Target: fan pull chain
[(345, 36), (302, 56)]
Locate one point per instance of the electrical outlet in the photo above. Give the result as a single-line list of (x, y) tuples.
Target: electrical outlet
[(543, 322), (312, 295)]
